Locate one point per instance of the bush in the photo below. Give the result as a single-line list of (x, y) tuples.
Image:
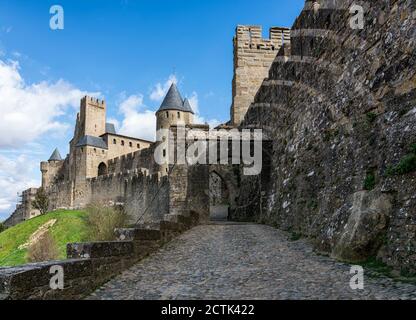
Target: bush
[(41, 201), (45, 249), (370, 181), (407, 164), (371, 117), (2, 227), (102, 221)]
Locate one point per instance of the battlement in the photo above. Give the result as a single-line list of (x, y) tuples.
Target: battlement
[(251, 38), (93, 101), (253, 57)]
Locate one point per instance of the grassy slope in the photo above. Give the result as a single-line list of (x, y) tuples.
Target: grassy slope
[(70, 227)]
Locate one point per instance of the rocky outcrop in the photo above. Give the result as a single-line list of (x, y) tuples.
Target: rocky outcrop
[(366, 227), (339, 106)]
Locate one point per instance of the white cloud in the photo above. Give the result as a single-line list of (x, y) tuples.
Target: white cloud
[(159, 90), (138, 121), (28, 111), (15, 176), (194, 102)]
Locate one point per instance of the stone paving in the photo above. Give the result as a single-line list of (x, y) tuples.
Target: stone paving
[(227, 261)]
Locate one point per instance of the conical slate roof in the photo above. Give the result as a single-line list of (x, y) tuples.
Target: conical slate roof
[(56, 156), (174, 101), (187, 106)]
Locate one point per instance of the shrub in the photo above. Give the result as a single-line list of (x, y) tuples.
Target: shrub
[(370, 181), (295, 236), (407, 164), (102, 221), (41, 201), (371, 117), (45, 249)]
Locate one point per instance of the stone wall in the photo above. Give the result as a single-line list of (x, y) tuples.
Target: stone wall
[(24, 210), (253, 57), (89, 265), (119, 145), (143, 196), (340, 111)]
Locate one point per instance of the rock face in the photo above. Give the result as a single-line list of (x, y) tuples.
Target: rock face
[(366, 226), (339, 106)]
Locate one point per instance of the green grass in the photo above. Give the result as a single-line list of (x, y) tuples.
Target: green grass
[(381, 268), (70, 227)]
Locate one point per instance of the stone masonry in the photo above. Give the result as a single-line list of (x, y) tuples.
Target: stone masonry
[(253, 57), (339, 106)]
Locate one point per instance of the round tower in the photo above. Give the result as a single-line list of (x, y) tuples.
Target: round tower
[(174, 110)]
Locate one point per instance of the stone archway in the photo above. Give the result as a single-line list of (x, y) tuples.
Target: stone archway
[(222, 192), (102, 169)]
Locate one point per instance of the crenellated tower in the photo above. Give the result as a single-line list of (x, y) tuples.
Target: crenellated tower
[(253, 56)]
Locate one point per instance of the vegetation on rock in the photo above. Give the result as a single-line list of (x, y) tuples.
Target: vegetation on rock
[(406, 165), (370, 181)]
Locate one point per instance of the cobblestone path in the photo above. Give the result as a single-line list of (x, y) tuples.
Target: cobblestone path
[(243, 261)]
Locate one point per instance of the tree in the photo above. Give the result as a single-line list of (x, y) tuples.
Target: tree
[(41, 201), (2, 227)]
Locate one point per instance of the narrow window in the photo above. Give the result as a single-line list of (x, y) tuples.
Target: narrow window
[(164, 153), (167, 114), (114, 141), (130, 144), (122, 142), (179, 115), (138, 146)]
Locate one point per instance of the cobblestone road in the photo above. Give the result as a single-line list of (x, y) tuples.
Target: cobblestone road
[(243, 261)]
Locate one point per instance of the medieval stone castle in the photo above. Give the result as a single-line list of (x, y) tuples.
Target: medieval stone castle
[(336, 106), (100, 161)]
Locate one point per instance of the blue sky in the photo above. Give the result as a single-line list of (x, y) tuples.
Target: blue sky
[(125, 51)]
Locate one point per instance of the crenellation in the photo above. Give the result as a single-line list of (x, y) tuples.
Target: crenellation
[(253, 56)]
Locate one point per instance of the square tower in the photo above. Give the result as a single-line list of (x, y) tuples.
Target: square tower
[(253, 57), (92, 117)]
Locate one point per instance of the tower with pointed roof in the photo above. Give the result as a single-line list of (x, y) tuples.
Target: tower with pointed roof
[(174, 110), (50, 169)]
